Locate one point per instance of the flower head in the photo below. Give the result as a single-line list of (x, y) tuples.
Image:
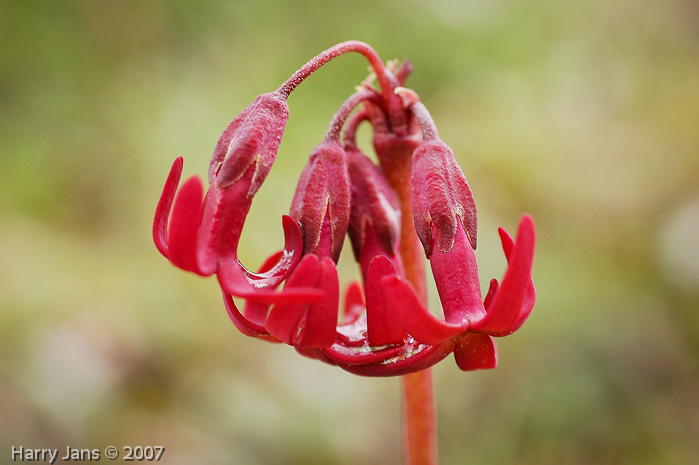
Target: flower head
[(414, 203)]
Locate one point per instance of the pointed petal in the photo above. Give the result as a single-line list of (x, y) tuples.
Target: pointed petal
[(530, 295), (492, 290), (475, 351), (184, 225), (354, 303), (321, 317), (246, 326), (162, 211), (284, 319), (383, 325), (515, 294), (416, 319)]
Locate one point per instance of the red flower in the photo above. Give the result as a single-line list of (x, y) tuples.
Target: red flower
[(384, 328)]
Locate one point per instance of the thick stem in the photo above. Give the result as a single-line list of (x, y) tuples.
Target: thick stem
[(419, 428), (419, 421)]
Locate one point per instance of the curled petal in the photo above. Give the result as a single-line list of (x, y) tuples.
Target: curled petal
[(416, 319), (179, 243), (412, 358), (321, 317), (162, 211), (184, 225), (354, 356), (284, 319), (235, 279), (293, 245), (354, 303), (383, 325), (475, 351), (515, 295), (530, 295), (245, 325), (302, 323), (492, 290)]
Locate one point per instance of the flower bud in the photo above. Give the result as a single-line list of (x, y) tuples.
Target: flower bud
[(374, 205), (252, 137), (321, 203), (441, 197)]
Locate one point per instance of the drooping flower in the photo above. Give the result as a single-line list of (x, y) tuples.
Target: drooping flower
[(417, 195)]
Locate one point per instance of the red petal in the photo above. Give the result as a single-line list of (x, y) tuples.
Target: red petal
[(456, 275), (515, 295), (254, 310), (290, 256), (233, 281), (321, 317), (492, 290), (247, 327), (354, 302), (475, 351), (416, 319), (239, 281), (185, 220), (284, 319), (383, 325), (162, 211), (411, 358), (351, 356)]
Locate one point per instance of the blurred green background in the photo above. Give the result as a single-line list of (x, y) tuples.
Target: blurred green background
[(583, 113)]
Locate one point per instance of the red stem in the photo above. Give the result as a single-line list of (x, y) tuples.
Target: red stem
[(419, 421), (335, 127), (419, 429), (424, 119), (385, 81)]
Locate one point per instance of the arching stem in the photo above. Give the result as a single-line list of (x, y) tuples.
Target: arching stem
[(385, 81)]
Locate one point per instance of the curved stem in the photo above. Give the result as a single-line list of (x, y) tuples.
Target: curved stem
[(349, 138), (385, 81), (424, 119), (335, 127)]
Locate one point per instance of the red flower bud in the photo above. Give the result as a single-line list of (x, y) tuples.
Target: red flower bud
[(374, 205), (321, 203), (441, 197), (253, 137)]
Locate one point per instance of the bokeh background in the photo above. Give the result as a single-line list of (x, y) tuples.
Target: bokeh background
[(583, 113)]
